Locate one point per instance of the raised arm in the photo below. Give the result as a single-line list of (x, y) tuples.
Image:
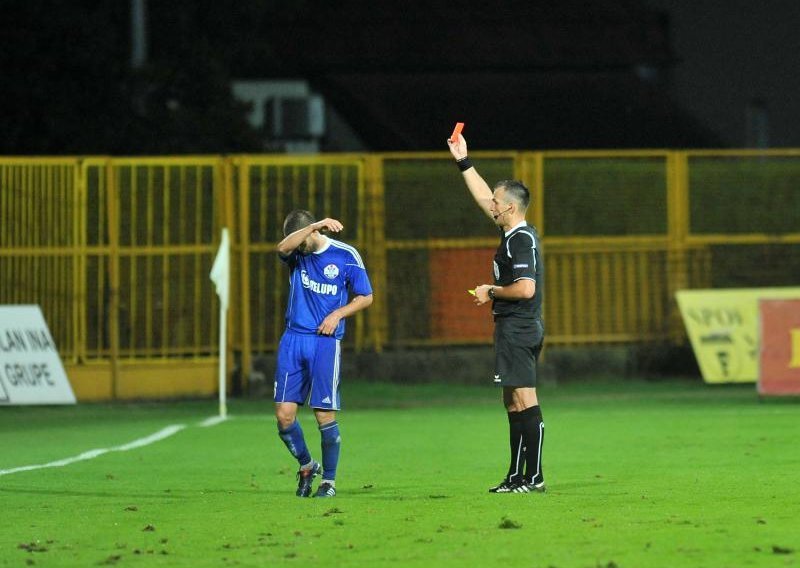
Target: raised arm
[(294, 240), (480, 190)]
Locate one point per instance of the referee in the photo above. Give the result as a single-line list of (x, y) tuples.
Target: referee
[(516, 297)]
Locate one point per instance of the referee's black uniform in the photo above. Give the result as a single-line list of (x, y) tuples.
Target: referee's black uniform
[(518, 340), (518, 332), (518, 329)]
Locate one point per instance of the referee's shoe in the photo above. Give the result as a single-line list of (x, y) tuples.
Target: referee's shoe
[(530, 487), (505, 486), (508, 486)]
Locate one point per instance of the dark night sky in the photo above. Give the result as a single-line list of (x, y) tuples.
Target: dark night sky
[(728, 53), (731, 51)]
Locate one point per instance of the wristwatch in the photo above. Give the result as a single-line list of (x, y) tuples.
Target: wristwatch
[(491, 292)]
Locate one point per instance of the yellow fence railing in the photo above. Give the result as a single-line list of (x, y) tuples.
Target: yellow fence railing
[(117, 251)]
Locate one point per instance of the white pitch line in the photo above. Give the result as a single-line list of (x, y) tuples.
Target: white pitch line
[(91, 454), (213, 421)]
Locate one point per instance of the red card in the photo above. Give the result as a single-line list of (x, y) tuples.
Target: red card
[(456, 131)]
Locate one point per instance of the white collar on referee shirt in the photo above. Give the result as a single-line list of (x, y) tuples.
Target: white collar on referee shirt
[(517, 226)]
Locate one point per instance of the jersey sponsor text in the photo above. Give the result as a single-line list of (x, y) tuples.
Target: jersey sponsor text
[(319, 288)]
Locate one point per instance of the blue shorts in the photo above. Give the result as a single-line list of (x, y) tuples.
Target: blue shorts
[(308, 370)]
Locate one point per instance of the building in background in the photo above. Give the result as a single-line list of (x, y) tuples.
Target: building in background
[(533, 75)]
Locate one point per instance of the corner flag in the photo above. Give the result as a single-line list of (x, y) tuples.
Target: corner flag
[(220, 272), (220, 276)]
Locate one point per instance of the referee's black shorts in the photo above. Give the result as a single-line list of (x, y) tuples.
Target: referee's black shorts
[(517, 344)]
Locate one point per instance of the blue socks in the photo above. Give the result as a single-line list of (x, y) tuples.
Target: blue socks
[(331, 440), (295, 442)]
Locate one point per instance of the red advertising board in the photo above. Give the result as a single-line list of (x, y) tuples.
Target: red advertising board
[(454, 315), (779, 358)]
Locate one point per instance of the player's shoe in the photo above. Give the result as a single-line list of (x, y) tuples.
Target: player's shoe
[(504, 486), (325, 489), (305, 477), (530, 487)]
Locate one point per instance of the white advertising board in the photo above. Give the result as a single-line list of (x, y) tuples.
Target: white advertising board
[(31, 371)]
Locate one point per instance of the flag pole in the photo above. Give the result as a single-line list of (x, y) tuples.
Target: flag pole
[(223, 352)]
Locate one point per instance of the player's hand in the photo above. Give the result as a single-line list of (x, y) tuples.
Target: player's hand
[(331, 225), (329, 324), (482, 294), (458, 147)]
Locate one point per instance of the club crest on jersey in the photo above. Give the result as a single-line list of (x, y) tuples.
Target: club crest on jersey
[(331, 271)]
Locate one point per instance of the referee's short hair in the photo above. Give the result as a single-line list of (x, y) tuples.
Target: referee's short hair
[(515, 191), (296, 220)]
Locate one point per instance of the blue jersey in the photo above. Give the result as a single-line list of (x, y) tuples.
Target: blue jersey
[(321, 282)]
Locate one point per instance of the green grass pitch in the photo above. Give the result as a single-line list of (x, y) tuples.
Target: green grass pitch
[(640, 474)]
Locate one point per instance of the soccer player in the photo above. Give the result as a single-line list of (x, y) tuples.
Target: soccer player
[(324, 273), (516, 297)]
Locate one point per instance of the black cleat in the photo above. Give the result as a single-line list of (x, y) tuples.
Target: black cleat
[(305, 477), (504, 486), (325, 489), (529, 487)]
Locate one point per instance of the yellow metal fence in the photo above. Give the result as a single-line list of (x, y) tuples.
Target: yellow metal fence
[(117, 251)]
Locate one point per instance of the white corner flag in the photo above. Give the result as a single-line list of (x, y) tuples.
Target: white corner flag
[(221, 276), (221, 271)]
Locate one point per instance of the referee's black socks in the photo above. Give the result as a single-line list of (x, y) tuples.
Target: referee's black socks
[(532, 441), (517, 445)]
